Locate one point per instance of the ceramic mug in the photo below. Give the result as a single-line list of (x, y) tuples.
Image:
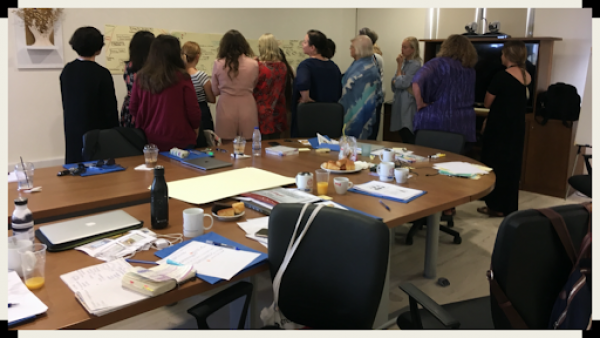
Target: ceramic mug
[(304, 181), (193, 222), (341, 185), (387, 155), (401, 175), (385, 170)]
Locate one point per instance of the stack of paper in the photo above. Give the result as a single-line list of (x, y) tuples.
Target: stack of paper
[(281, 151), (157, 280), (254, 225), (270, 198), (212, 260), (28, 305), (461, 169), (98, 287), (388, 191)]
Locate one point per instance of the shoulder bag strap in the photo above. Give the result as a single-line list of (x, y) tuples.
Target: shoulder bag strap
[(509, 310), (563, 233), (292, 248)]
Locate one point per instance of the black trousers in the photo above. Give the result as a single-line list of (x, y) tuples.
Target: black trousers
[(407, 136)]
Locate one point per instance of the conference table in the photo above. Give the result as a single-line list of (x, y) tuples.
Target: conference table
[(73, 196)]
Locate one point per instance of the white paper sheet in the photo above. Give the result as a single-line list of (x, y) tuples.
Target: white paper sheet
[(28, 304), (12, 177), (261, 240), (253, 225), (212, 260), (96, 275), (389, 190), (210, 188), (332, 204), (464, 168)]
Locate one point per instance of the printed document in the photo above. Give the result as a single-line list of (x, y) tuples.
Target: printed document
[(382, 189)]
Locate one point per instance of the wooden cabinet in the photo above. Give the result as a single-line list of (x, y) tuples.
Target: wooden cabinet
[(390, 136)]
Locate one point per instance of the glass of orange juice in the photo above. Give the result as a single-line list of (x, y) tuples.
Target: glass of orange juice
[(322, 177), (33, 263)]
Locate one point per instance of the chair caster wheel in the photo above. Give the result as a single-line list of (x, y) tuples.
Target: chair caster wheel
[(409, 241), (457, 240)]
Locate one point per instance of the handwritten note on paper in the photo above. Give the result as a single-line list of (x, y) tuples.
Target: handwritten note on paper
[(96, 275), (293, 52), (212, 260), (116, 39), (209, 46)]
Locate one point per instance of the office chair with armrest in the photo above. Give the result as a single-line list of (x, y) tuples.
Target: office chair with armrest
[(583, 183), (335, 278), (100, 144), (530, 265), (320, 117), (446, 141)]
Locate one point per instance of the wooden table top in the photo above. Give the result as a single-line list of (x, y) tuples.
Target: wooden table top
[(65, 312), (67, 194)]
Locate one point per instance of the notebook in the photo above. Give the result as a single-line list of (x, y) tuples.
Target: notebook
[(206, 163), (28, 305), (74, 232)]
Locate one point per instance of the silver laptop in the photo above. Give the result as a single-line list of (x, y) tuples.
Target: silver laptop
[(85, 227), (206, 163)]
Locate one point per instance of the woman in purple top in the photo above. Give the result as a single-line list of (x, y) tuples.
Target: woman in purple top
[(444, 89)]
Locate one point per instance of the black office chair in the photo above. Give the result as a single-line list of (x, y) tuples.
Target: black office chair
[(335, 278), (100, 144), (445, 141), (530, 265), (583, 183), (320, 117)]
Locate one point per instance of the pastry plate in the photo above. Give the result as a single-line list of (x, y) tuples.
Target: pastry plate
[(333, 171), (228, 218)]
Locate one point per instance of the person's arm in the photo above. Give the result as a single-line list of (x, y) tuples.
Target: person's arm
[(404, 78), (210, 97), (214, 80), (493, 89), (192, 109), (134, 104), (302, 83), (489, 99), (418, 97), (109, 100)]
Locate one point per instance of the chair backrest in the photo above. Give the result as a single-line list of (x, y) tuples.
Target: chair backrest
[(531, 265), (335, 278), (442, 140), (100, 144), (320, 117), (588, 165)]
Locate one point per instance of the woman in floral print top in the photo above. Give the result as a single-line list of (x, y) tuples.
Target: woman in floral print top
[(138, 52), (269, 92)]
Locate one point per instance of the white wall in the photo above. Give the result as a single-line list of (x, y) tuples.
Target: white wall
[(35, 110)]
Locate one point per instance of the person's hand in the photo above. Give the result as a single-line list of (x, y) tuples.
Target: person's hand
[(483, 126), (400, 59), (301, 100)]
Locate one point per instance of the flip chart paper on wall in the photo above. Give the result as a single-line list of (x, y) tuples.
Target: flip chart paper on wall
[(116, 39), (210, 188)]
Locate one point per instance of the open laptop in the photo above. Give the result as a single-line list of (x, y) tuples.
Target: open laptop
[(207, 163), (63, 235)]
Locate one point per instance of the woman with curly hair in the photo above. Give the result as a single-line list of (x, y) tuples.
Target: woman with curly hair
[(234, 76)]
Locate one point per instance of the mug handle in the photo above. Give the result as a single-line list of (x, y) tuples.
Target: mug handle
[(211, 221), (350, 185)]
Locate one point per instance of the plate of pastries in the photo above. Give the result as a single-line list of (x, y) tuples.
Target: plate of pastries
[(226, 212), (343, 166)]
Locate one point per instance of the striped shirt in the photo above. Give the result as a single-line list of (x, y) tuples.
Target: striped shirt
[(199, 80)]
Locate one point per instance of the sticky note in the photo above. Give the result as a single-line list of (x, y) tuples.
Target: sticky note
[(303, 149), (323, 197), (323, 150)]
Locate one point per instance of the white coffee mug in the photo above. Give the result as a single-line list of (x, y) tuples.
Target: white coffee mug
[(193, 222), (401, 175), (304, 181), (387, 155), (14, 258), (385, 170), (341, 185)]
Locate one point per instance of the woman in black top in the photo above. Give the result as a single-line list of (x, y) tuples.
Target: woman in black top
[(504, 130), (88, 93)]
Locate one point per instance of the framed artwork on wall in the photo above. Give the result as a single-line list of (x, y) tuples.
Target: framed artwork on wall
[(38, 38)]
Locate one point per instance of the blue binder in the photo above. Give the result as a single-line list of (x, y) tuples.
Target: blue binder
[(314, 142), (386, 197), (191, 156), (91, 171), (219, 239)]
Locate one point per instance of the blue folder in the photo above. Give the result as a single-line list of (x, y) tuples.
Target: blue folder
[(314, 142), (91, 171), (386, 197), (191, 156), (219, 239)]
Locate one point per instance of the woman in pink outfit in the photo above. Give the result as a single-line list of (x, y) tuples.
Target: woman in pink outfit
[(234, 77)]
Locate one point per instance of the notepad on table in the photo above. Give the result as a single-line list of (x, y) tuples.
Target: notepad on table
[(388, 191), (28, 305), (281, 151)]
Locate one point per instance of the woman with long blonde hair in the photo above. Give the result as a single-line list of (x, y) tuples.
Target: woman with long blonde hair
[(269, 92)]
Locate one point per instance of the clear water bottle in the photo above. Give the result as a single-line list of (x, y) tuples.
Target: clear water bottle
[(22, 220), (256, 145), (159, 200)]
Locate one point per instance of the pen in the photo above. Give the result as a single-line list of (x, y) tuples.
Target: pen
[(12, 304), (129, 260), (221, 150), (173, 263), (388, 208), (221, 244)]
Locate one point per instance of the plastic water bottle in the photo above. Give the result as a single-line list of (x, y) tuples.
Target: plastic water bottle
[(256, 145), (22, 220)]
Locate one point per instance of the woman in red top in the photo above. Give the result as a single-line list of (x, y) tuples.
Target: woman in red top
[(163, 98), (269, 92)]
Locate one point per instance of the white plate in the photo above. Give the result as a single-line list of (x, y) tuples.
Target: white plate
[(228, 218), (341, 171)]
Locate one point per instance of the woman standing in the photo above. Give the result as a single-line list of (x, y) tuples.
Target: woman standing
[(191, 53), (88, 93), (139, 47), (163, 100), (270, 89), (361, 93), (444, 89), (378, 55), (318, 79), (234, 77), (504, 130), (405, 106)]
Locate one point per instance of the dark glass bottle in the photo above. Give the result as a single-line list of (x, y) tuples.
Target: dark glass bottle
[(159, 199)]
